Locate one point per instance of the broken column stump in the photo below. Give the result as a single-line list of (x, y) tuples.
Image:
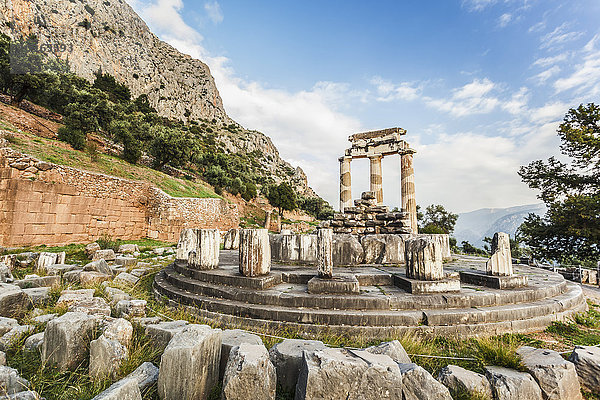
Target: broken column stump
[(325, 253), (255, 252), (425, 270), (205, 252)]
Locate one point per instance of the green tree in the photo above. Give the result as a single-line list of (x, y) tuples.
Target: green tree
[(436, 219), (282, 196), (118, 92), (468, 248), (570, 229), (170, 146)]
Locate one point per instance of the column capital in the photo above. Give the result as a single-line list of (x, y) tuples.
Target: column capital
[(345, 158), (375, 157)]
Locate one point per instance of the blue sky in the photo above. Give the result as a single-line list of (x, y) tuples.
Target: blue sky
[(480, 85)]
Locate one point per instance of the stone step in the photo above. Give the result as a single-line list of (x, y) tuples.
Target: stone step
[(572, 298), (460, 331), (395, 301)]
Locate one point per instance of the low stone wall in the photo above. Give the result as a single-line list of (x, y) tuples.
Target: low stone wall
[(45, 203), (348, 249)]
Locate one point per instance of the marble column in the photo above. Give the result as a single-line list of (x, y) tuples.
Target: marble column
[(255, 252), (325, 253), (205, 252), (423, 259), (409, 201), (345, 183), (376, 178)]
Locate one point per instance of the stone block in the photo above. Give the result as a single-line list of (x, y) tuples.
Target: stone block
[(129, 248), (493, 281), (337, 284), (46, 259), (11, 382), (460, 380), (14, 302), (6, 324), (120, 330), (418, 384), (423, 259), (374, 247), (92, 278), (189, 366), (508, 384), (255, 252), (91, 249), (587, 365), (187, 242), (2, 358), (34, 342), (232, 240), (70, 297), (126, 279), (162, 333), (106, 254), (6, 274), (131, 308), (66, 340), (393, 349), (115, 295), (347, 250), (500, 264), (38, 296), (332, 374), (556, 377), (287, 359), (249, 374), (125, 389), (205, 253), (127, 262), (99, 266), (106, 356), (72, 276), (13, 335), (451, 283), (38, 281), (93, 306), (231, 338)]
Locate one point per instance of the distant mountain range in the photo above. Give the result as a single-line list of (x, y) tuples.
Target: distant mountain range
[(475, 225)]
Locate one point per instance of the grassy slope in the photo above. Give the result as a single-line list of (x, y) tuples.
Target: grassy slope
[(60, 153)]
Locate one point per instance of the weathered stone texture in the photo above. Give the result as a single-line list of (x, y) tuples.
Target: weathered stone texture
[(232, 239), (14, 302), (189, 366), (500, 263), (232, 338), (205, 250), (418, 384), (587, 364), (255, 252), (66, 340), (508, 384), (460, 380), (106, 356), (347, 250), (392, 349), (325, 253), (249, 374), (287, 359), (423, 259)]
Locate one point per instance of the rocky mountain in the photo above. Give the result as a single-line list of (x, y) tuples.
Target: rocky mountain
[(108, 35), (475, 225)]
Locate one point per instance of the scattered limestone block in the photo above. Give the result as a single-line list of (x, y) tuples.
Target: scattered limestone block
[(26, 395), (392, 349), (120, 330), (98, 266), (66, 340), (46, 259), (13, 335), (11, 382), (126, 262), (249, 374), (374, 247), (133, 385), (34, 281), (189, 366), (60, 269), (131, 308), (460, 380), (115, 295), (287, 359), (162, 333), (14, 302), (92, 278), (126, 279), (231, 338), (587, 364), (6, 324), (34, 342), (72, 276), (93, 306), (500, 264), (38, 296), (107, 254), (70, 297), (129, 248), (418, 384), (145, 321), (140, 272), (106, 356), (423, 259), (10, 260), (44, 318), (5, 274), (556, 376), (91, 249), (508, 384), (330, 374), (2, 358)]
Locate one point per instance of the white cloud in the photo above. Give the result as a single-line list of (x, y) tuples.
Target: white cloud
[(470, 99), (213, 9), (504, 20), (477, 5), (517, 104), (548, 61), (559, 37), (586, 75), (540, 26), (388, 91), (548, 113), (543, 76)]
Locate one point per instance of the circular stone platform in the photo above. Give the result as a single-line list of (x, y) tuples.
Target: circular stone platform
[(381, 310)]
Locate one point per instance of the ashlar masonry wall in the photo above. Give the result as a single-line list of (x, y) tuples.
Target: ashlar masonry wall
[(44, 203)]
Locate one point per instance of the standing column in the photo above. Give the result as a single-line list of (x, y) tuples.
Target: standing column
[(255, 252), (376, 178), (409, 202), (325, 253), (345, 183)]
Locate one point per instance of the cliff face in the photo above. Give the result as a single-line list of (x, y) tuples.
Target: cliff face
[(109, 35)]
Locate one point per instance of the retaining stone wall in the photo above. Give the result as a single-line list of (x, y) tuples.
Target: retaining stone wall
[(45, 203)]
